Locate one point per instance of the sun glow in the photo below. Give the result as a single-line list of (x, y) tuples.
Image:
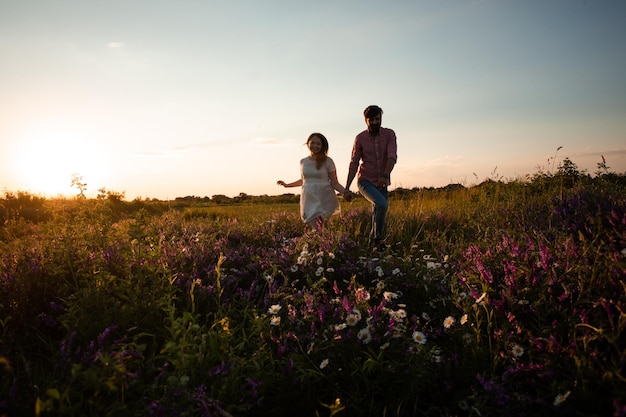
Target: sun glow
[(45, 162)]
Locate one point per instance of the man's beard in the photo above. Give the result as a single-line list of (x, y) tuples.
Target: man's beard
[(374, 129)]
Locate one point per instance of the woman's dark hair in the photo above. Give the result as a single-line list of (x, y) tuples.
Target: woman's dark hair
[(372, 111), (320, 158)]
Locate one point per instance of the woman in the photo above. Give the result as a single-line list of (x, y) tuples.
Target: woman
[(318, 178)]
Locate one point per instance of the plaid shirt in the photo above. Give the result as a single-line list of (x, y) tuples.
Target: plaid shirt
[(372, 153)]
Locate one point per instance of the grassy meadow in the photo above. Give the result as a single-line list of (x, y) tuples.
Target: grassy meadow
[(505, 298)]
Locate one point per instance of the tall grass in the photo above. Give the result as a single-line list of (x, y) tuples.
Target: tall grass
[(498, 299)]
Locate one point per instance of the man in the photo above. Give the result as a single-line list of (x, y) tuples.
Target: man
[(376, 151)]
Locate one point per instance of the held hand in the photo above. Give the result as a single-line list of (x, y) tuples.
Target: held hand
[(280, 182), (347, 195)]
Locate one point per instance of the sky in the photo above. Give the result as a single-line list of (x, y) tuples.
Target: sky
[(164, 99)]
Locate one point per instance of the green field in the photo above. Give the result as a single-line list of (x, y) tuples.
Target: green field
[(505, 298)]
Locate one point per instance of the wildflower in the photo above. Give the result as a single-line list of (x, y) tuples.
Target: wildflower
[(341, 326), (396, 271), (324, 363), (275, 320), (362, 294), (419, 337), (517, 350), (303, 259), (398, 315), (448, 322), (481, 298), (335, 408), (464, 319), (560, 399), (225, 325), (384, 346), (364, 335), (274, 309), (623, 251), (294, 268), (425, 316), (330, 269), (319, 261), (388, 295), (353, 319), (433, 265), (319, 271), (380, 285), (269, 278), (398, 331), (105, 334)]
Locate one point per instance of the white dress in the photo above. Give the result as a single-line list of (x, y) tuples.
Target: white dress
[(318, 196)]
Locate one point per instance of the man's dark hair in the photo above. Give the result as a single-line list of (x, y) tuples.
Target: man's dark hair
[(372, 111)]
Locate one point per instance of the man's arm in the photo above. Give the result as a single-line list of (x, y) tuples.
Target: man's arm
[(385, 179), (355, 157), (351, 175), (391, 162), (392, 152)]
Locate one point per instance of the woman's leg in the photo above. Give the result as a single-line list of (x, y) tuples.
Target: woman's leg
[(320, 223), (316, 224)]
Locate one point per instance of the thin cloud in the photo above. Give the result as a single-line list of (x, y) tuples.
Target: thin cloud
[(115, 45), (167, 153), (187, 148), (614, 152), (178, 150), (150, 154), (444, 161), (268, 141)]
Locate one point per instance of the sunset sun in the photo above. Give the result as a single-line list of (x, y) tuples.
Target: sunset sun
[(45, 163)]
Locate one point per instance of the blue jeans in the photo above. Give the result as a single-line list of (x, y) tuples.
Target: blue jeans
[(378, 197)]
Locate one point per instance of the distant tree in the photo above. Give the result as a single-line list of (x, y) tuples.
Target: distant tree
[(80, 184), (568, 168), (113, 196), (25, 205), (454, 187), (220, 199), (242, 197), (569, 175)]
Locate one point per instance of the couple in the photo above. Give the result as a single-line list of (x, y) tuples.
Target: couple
[(375, 149)]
